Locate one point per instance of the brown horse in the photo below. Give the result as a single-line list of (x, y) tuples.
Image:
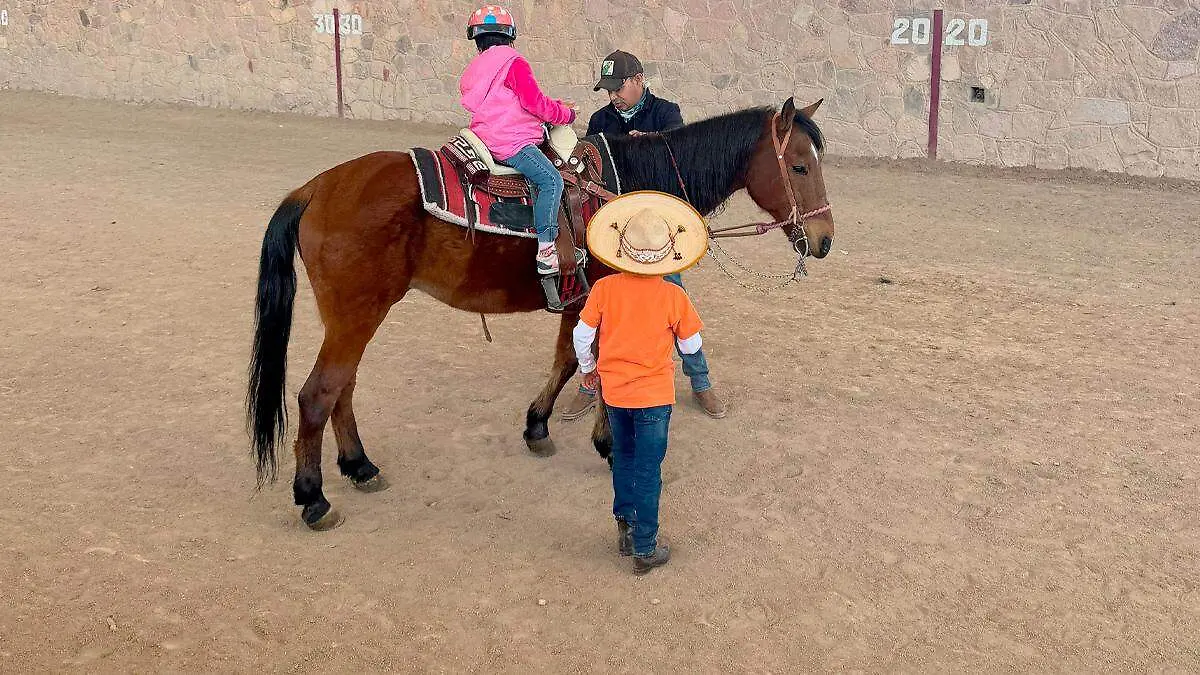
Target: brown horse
[(365, 240)]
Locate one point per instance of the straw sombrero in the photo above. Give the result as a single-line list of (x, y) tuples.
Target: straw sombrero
[(650, 233)]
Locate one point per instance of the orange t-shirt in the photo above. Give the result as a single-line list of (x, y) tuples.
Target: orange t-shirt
[(638, 319)]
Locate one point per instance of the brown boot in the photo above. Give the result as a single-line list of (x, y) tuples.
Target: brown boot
[(579, 406), (660, 556), (712, 404)]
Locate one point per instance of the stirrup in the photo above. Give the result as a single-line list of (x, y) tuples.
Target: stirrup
[(562, 292)]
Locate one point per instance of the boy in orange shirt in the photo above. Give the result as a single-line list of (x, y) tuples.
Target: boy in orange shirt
[(640, 319)]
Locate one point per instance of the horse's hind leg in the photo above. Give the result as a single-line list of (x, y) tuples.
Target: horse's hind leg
[(352, 457), (332, 374), (537, 434)]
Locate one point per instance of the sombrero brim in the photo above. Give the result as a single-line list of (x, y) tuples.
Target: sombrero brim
[(604, 240)]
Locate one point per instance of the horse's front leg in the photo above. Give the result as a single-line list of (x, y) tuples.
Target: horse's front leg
[(537, 434)]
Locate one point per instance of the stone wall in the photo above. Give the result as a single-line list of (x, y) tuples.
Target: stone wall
[(1098, 84)]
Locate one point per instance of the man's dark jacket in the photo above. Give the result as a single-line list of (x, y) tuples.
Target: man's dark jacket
[(657, 114)]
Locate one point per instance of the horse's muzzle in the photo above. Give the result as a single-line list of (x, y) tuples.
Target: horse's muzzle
[(824, 248)]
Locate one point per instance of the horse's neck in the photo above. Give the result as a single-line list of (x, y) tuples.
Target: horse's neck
[(668, 172)]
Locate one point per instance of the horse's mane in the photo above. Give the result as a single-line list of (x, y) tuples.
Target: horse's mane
[(712, 154)]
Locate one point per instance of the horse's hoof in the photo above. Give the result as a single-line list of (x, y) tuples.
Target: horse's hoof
[(376, 483), (330, 520), (542, 447), (320, 516)]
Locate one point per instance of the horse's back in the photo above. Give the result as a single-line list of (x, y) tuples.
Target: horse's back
[(370, 165), (368, 197), (386, 175)]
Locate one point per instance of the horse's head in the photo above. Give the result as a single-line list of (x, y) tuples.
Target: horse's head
[(784, 178)]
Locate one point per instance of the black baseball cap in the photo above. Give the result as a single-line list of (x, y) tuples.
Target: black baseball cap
[(615, 69)]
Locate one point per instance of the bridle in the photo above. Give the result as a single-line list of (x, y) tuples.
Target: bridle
[(795, 219), (797, 235)]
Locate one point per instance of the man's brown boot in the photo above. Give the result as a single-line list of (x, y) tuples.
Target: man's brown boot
[(579, 406), (712, 404), (660, 556)]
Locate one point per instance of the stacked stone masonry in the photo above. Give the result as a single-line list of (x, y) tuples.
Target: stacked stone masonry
[(1097, 84)]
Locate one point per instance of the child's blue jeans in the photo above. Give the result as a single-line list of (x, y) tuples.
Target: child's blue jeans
[(548, 185), (639, 446)]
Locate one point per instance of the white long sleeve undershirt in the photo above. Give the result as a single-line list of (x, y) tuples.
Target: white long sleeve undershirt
[(583, 336), (689, 345)]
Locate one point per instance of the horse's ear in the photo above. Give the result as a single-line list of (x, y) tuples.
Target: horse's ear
[(812, 109), (789, 109), (787, 115)]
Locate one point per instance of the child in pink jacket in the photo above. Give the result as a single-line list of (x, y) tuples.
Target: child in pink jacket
[(508, 113)]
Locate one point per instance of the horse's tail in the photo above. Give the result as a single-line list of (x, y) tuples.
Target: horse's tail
[(266, 413)]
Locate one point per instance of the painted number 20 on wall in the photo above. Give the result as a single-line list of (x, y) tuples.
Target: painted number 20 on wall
[(916, 31)]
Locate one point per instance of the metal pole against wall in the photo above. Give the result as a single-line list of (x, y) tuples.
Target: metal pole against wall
[(935, 82), (337, 58)]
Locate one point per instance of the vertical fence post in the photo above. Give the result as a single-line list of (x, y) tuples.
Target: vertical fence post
[(337, 58), (935, 82)]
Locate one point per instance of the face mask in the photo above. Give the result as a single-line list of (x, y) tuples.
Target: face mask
[(628, 114)]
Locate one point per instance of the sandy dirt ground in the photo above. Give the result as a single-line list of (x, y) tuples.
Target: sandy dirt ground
[(968, 441)]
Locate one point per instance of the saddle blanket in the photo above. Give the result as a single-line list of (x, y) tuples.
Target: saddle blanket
[(502, 205), (444, 196)]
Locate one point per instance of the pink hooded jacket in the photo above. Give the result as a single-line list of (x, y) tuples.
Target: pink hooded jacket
[(507, 107)]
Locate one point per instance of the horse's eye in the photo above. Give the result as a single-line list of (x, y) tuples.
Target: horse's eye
[(800, 169)]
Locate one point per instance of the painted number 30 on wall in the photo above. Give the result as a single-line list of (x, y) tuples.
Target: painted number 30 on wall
[(916, 31), (352, 24)]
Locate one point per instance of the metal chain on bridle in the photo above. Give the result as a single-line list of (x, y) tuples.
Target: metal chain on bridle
[(770, 282), (796, 233)]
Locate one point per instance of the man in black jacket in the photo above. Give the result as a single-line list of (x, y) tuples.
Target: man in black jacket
[(633, 110)]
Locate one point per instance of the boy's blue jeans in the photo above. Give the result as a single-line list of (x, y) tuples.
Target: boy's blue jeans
[(639, 446), (695, 366), (532, 163)]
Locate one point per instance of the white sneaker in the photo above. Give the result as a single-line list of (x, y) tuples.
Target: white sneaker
[(547, 260)]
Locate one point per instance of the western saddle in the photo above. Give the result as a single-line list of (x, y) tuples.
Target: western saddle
[(579, 163)]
